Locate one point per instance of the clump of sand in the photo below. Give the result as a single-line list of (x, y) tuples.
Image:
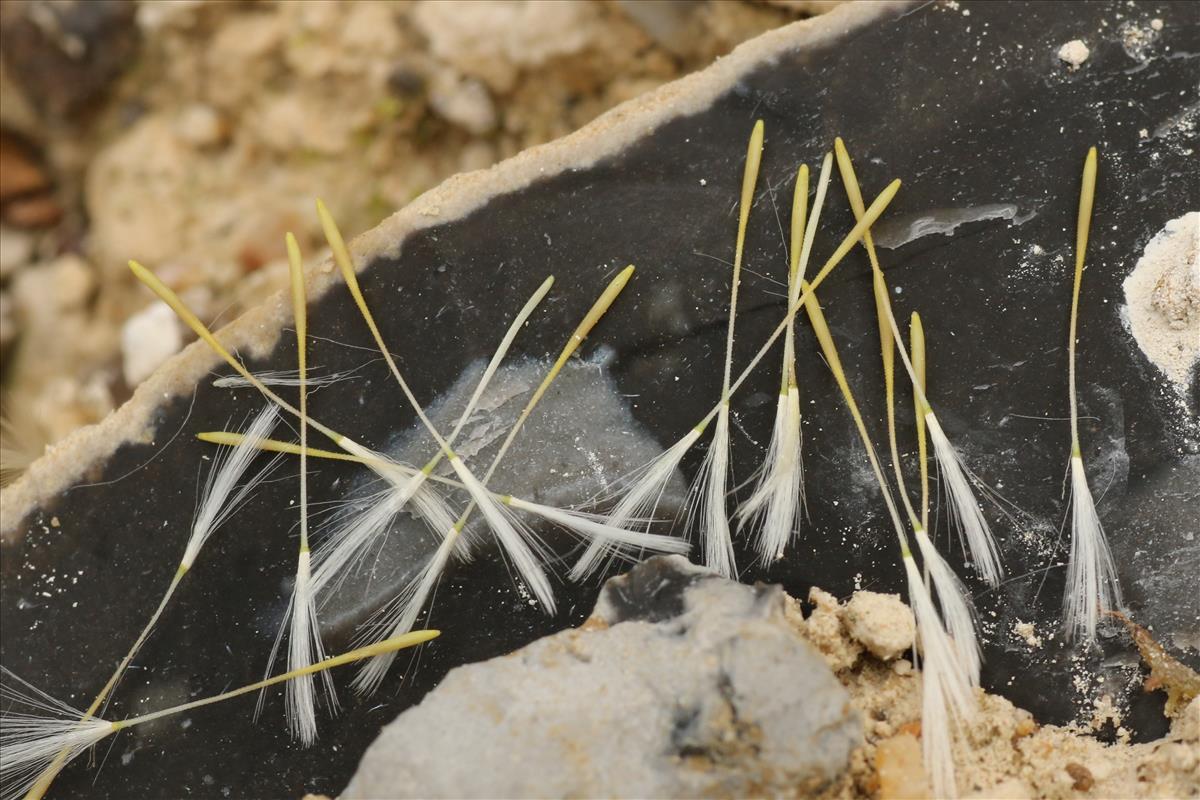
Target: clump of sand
[(1074, 53), (881, 622), (1162, 299)]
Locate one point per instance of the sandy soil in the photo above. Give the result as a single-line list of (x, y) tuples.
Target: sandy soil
[(1003, 753)]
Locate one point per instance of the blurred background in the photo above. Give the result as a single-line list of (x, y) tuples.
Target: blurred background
[(191, 135)]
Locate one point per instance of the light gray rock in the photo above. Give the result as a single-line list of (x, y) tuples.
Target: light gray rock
[(682, 684)]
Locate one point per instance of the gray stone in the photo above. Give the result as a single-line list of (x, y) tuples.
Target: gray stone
[(682, 684)]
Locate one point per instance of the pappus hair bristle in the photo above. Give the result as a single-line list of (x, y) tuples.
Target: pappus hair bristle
[(361, 528), (21, 438), (916, 337), (400, 614), (958, 611), (224, 491), (640, 494), (284, 377), (966, 515), (1092, 584), (947, 696), (39, 735), (706, 501), (597, 527)]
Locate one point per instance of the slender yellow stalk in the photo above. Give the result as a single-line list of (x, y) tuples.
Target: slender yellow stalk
[(232, 439), (887, 341), (817, 318), (387, 646), (795, 246), (749, 180), (883, 302), (341, 256), (917, 346), (1087, 194), (368, 459), (799, 221), (300, 315)]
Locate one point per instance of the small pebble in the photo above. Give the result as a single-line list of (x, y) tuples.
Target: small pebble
[(148, 339), (1081, 775), (200, 125)]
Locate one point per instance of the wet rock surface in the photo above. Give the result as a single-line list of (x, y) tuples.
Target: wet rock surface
[(680, 684)]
